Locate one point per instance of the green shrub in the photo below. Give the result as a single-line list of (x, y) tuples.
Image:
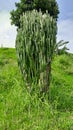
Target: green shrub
[(35, 44)]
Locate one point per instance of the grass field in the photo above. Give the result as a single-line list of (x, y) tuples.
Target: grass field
[(21, 111)]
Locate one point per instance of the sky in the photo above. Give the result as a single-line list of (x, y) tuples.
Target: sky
[(65, 23)]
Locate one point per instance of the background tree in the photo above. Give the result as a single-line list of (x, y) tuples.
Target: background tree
[(28, 5)]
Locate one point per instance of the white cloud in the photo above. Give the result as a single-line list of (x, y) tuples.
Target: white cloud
[(7, 32), (65, 32)]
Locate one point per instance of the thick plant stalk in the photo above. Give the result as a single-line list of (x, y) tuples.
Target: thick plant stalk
[(47, 78), (35, 43)]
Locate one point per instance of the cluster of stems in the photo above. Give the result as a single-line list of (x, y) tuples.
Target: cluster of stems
[(35, 43)]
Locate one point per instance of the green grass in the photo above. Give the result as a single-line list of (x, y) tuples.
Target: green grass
[(21, 111)]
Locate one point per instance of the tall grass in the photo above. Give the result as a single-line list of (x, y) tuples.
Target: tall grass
[(19, 110)]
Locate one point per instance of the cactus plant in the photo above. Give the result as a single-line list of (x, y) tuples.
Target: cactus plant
[(35, 43)]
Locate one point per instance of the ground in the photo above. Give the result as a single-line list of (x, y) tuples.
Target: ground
[(21, 111)]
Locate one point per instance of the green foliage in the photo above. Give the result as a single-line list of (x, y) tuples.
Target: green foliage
[(49, 5), (21, 111), (35, 44), (28, 5), (61, 48)]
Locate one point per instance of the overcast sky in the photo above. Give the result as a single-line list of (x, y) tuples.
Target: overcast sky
[(65, 23)]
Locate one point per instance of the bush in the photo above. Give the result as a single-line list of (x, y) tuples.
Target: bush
[(35, 44)]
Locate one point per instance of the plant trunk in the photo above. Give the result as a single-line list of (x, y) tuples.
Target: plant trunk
[(46, 87)]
